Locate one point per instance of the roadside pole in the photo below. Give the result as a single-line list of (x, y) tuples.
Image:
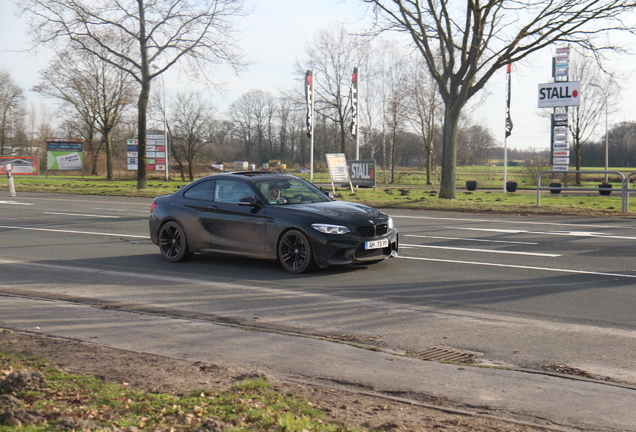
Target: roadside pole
[(10, 178)]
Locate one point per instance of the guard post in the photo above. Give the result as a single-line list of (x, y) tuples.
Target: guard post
[(10, 179)]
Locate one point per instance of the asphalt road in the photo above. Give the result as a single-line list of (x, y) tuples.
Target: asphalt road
[(515, 290)]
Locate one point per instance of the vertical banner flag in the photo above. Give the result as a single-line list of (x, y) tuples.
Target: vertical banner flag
[(309, 94), (354, 103), (508, 119)]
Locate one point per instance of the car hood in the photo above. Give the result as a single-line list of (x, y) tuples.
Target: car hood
[(338, 211)]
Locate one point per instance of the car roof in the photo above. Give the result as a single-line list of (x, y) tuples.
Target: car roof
[(252, 176)]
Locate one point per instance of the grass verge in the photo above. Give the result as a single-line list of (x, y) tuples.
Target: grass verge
[(80, 402), (415, 197)]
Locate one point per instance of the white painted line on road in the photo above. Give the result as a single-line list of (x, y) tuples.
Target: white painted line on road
[(470, 239), (73, 232), (483, 250), (555, 233), (503, 221), (549, 269), (15, 203), (123, 210), (83, 214), (341, 300)]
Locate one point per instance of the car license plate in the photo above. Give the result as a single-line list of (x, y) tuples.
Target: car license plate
[(376, 244)]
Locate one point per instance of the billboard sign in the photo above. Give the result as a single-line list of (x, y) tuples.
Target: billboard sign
[(155, 152), (20, 165), (337, 164), (362, 172), (64, 154), (559, 94)]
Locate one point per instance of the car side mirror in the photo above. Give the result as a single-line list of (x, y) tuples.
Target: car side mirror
[(329, 193), (249, 202)]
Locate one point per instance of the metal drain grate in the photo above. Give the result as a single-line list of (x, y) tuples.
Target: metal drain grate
[(444, 355)]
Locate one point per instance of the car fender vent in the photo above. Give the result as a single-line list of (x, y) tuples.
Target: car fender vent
[(444, 354)]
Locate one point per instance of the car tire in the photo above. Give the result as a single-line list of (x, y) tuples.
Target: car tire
[(295, 253), (173, 243)]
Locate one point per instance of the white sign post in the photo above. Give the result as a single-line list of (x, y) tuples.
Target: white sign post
[(10, 180)]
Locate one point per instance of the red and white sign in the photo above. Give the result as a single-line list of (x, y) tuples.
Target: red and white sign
[(559, 94)]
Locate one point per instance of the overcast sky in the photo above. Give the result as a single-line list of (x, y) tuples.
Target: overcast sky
[(274, 37)]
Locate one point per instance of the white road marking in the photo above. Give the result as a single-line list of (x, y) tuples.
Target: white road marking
[(340, 300), (483, 250), (502, 221), (82, 214), (15, 203), (74, 232), (122, 210), (554, 233), (523, 267), (470, 239)]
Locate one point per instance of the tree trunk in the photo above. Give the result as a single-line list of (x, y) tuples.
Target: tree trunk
[(392, 156), (449, 153), (94, 160), (577, 158), (108, 138), (429, 166), (142, 106)]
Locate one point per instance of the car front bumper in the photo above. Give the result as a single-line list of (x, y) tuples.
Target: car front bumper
[(343, 250)]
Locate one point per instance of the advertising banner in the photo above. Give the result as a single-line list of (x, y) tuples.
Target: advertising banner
[(559, 94), (338, 170), (362, 172), (64, 154), (20, 165), (155, 152)]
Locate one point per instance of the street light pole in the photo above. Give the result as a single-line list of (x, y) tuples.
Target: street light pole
[(606, 142), (165, 129)]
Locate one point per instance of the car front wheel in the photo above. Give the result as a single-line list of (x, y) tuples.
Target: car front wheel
[(173, 243), (294, 252)]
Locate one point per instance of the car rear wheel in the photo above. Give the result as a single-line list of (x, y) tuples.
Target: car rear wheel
[(294, 252), (173, 243)]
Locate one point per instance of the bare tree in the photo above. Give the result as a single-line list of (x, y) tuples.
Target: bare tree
[(96, 90), (159, 33), (252, 114), (465, 44), (191, 120), (425, 110), (602, 95), (395, 77), (11, 107), (474, 142)]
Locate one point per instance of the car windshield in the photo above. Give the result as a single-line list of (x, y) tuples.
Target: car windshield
[(290, 191)]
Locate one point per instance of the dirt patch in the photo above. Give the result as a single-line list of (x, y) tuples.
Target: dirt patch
[(165, 375)]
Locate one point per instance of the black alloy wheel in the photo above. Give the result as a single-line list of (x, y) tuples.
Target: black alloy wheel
[(173, 243), (294, 252)]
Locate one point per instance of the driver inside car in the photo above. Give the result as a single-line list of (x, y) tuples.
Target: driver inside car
[(274, 195)]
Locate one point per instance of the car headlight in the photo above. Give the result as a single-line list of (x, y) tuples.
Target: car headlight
[(390, 223), (330, 229)]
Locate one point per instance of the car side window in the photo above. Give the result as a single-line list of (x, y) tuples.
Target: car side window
[(231, 191), (200, 191)]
